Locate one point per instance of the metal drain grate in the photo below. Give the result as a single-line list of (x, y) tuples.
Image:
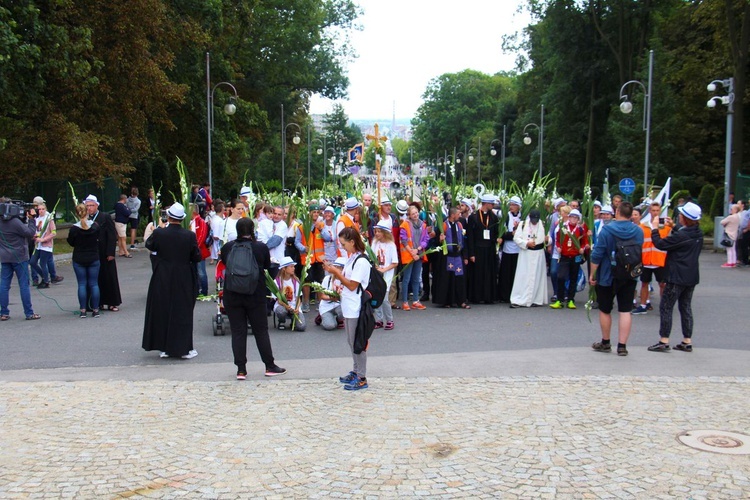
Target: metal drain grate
[(727, 443)]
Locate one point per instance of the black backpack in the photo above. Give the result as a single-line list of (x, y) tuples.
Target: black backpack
[(242, 274), (209, 234), (628, 260), (377, 287)]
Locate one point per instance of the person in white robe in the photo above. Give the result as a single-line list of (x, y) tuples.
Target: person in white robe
[(530, 283)]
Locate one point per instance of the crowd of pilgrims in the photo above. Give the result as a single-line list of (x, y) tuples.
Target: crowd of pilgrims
[(481, 254)]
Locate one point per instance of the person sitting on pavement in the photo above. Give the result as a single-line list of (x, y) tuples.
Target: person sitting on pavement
[(330, 316), (289, 286)]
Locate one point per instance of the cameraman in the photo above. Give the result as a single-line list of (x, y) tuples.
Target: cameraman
[(14, 255)]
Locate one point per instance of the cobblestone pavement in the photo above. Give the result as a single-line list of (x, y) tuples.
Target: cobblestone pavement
[(514, 437)]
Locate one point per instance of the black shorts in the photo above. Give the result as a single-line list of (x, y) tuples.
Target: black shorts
[(660, 273), (623, 290), (315, 273), (134, 223)]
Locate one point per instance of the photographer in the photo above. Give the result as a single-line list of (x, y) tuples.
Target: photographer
[(15, 235)]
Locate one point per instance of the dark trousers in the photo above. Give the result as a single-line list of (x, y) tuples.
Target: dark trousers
[(567, 269), (241, 309), (683, 296), (743, 248)]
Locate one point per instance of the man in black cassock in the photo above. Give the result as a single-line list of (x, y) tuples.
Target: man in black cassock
[(509, 260), (109, 285), (450, 269), (482, 238), (168, 325)]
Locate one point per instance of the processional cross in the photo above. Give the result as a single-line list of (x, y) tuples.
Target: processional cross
[(377, 138)]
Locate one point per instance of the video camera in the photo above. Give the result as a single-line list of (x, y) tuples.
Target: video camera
[(16, 208)]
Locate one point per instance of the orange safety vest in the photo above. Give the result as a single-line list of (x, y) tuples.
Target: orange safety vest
[(348, 222), (405, 254), (318, 246), (652, 256)]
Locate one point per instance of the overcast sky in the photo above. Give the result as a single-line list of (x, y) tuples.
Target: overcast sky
[(407, 43)]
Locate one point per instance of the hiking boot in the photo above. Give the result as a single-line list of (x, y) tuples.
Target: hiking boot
[(601, 347), (556, 305), (356, 384), (388, 325), (682, 346), (572, 305), (659, 347), (639, 310), (275, 370), (622, 350), (348, 379)]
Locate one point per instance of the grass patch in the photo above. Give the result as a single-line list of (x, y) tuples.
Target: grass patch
[(61, 246)]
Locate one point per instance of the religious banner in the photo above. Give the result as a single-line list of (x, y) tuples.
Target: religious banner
[(357, 153)]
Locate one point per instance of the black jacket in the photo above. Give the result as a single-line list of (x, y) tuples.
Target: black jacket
[(683, 249)]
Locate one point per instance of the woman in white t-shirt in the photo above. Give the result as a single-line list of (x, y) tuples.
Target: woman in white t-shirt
[(356, 273), (387, 254)]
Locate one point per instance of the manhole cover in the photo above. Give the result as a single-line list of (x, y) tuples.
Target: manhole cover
[(728, 443)]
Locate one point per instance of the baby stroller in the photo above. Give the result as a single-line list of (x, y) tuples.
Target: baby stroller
[(219, 322)]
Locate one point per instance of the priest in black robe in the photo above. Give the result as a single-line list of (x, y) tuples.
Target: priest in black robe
[(168, 325), (109, 284), (450, 269), (482, 238)]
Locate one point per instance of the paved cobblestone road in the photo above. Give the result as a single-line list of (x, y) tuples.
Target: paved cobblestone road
[(517, 437)]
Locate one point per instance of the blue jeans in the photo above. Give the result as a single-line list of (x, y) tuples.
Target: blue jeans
[(21, 270), (88, 283), (51, 268), (43, 268), (410, 281), (553, 265), (202, 277)]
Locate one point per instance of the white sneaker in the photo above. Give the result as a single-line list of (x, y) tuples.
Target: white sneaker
[(190, 355), (164, 355)]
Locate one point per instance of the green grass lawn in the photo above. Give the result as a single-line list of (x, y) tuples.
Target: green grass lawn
[(61, 246)]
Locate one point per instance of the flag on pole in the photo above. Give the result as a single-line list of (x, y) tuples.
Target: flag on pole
[(357, 153), (663, 199)]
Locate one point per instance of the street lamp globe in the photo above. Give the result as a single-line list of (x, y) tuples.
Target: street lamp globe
[(471, 157), (230, 108), (493, 151), (319, 151), (296, 140), (626, 107), (711, 87), (527, 140)]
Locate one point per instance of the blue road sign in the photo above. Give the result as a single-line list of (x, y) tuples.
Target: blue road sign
[(627, 185)]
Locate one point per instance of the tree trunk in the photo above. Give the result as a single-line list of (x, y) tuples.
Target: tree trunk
[(738, 24)]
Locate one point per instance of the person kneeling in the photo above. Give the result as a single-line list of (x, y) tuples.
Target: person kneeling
[(289, 286)]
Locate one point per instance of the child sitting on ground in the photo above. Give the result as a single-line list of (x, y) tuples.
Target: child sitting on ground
[(289, 286), (330, 315)]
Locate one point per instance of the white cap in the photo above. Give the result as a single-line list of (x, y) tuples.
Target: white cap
[(91, 197), (690, 210), (488, 198), (286, 261), (515, 200), (351, 203), (386, 201), (559, 202), (468, 202), (39, 200), (384, 224), (245, 191), (330, 209), (340, 261), (402, 206), (575, 213), (597, 203), (176, 211), (607, 209)]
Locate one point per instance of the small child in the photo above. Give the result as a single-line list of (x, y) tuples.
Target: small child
[(289, 286), (330, 315), (387, 254)]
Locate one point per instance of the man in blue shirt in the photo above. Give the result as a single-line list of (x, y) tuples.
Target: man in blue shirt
[(607, 286)]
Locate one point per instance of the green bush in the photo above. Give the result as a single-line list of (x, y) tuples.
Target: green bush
[(717, 205), (707, 226), (706, 197)]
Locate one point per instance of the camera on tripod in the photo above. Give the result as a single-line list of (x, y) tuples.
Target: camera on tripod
[(15, 208)]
